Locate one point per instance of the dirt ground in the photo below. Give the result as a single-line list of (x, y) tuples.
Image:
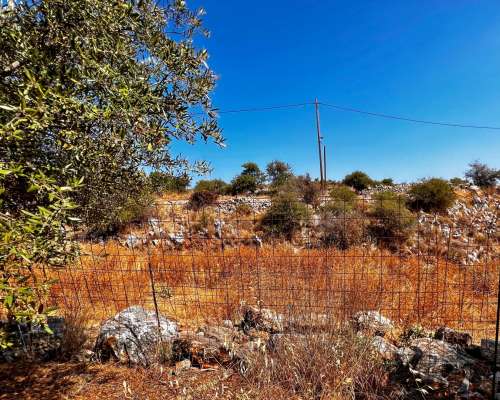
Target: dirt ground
[(75, 380)]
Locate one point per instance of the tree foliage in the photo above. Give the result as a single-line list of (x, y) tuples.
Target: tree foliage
[(432, 195), (278, 173), (162, 182), (482, 175), (244, 184), (90, 94), (358, 180), (213, 185), (285, 216), (391, 222)]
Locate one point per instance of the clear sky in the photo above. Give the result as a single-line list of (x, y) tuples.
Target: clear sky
[(436, 60)]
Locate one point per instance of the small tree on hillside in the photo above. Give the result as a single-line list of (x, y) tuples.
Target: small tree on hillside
[(482, 175), (309, 190), (358, 180), (278, 173), (213, 185), (391, 223), (253, 170), (162, 182), (432, 195), (244, 184), (285, 216)]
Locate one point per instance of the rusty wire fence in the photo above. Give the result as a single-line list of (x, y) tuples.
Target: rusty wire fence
[(202, 265)]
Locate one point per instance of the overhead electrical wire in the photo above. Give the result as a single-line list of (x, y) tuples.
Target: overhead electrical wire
[(359, 111)]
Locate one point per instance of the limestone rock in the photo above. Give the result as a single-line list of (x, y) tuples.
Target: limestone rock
[(133, 336), (372, 321)]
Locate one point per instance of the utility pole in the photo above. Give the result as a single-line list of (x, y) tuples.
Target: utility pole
[(324, 163), (318, 129)]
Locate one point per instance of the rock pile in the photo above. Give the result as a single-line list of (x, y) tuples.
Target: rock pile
[(441, 365)]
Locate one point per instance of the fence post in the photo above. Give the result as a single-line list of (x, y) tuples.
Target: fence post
[(153, 289), (495, 358)]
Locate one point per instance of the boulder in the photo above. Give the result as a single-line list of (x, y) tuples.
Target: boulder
[(488, 350), (135, 336), (261, 319), (435, 359), (387, 350), (372, 321), (454, 337)]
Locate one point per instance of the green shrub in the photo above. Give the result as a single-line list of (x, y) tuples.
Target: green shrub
[(111, 218), (278, 173), (162, 182), (202, 199), (343, 199), (457, 181), (358, 180), (391, 222), (243, 184), (431, 195), (309, 190), (243, 210), (342, 231), (213, 185), (285, 216), (482, 175), (387, 181), (252, 169)]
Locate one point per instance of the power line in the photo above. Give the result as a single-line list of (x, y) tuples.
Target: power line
[(358, 111), (398, 117), (255, 109)]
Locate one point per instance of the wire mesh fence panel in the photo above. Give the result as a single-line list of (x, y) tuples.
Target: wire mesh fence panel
[(202, 265)]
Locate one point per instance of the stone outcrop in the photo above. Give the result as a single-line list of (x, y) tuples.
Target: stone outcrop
[(136, 336)]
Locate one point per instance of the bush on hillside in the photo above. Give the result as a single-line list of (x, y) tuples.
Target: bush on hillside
[(457, 181), (482, 175), (343, 199), (358, 180), (243, 184), (162, 182), (202, 199), (212, 185), (387, 181), (131, 207), (278, 173), (308, 190), (253, 170), (391, 222), (432, 195), (285, 216), (342, 230)]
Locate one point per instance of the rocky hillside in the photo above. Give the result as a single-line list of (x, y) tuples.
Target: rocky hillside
[(466, 233)]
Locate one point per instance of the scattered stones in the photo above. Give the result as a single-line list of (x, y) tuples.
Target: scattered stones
[(454, 337), (133, 336), (177, 238), (387, 350), (218, 225), (488, 350), (264, 320), (372, 321), (183, 365), (257, 240), (133, 241)]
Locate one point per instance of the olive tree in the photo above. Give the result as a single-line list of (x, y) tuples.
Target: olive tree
[(91, 93)]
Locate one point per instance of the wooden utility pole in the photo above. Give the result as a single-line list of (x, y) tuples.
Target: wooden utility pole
[(324, 164), (318, 130)]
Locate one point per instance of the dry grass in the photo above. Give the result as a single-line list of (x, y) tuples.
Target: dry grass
[(200, 286), (337, 364)]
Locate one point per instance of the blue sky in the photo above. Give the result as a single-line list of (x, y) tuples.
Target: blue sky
[(436, 60)]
